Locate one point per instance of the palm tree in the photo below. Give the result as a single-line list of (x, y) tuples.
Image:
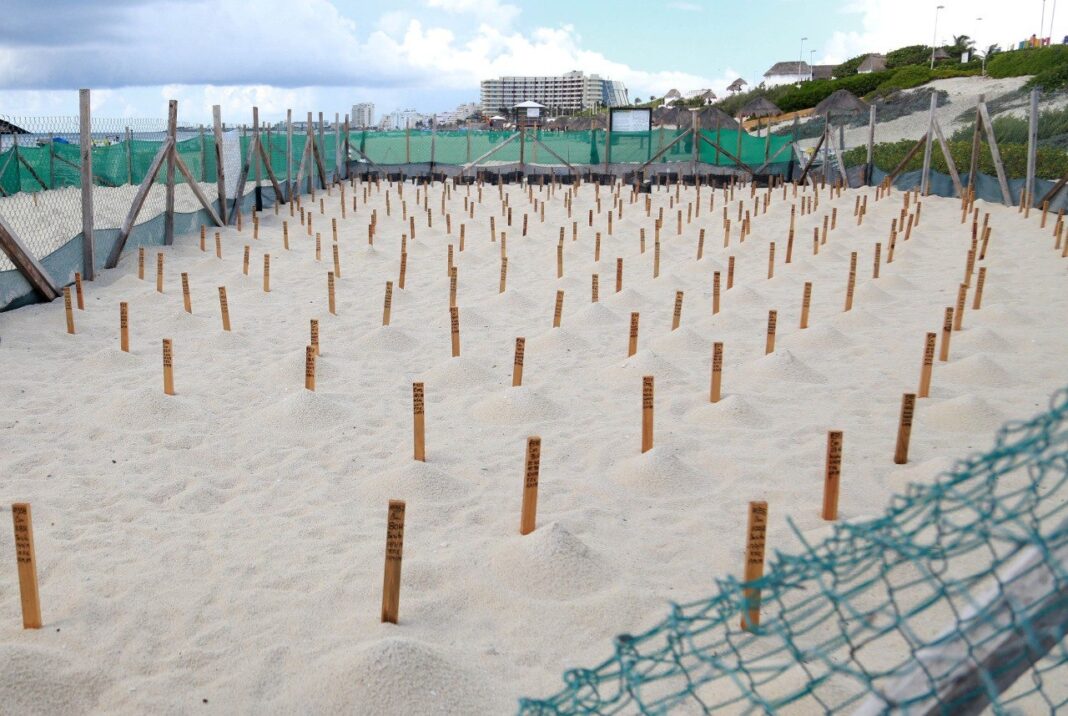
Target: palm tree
[(637, 100), (962, 44), (992, 50)]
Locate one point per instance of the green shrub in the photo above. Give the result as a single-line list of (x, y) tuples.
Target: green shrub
[(1052, 162), (905, 78), (1031, 61), (850, 66), (1054, 78), (1052, 128), (911, 55)]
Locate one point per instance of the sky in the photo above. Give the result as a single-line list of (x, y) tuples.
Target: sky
[(429, 55)]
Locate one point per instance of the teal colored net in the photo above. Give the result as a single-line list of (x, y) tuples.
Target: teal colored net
[(955, 600)]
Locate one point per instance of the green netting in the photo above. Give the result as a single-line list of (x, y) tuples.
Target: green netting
[(586, 147), (54, 165), (275, 144), (955, 600)]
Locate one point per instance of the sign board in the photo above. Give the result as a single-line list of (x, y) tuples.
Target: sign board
[(533, 111), (631, 120)]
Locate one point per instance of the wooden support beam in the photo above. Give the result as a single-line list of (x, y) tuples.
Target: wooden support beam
[(239, 194), (869, 161), (772, 158), (172, 133), (138, 202), (664, 150), (97, 179), (546, 147), (85, 138), (1054, 190), (255, 158), (1032, 147), (815, 153), (999, 167), (195, 187), (33, 172), (925, 175), (27, 264), (493, 150), (220, 179), (280, 197), (977, 130), (730, 156), (950, 164), (904, 162)]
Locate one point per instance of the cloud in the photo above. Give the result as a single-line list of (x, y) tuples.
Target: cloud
[(488, 12)]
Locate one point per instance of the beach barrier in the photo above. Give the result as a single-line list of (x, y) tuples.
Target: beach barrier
[(953, 601)]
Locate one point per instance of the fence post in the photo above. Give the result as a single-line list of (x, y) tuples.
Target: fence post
[(1032, 148), (172, 131), (289, 155), (345, 155), (696, 144), (433, 142), (925, 177), (255, 159), (220, 179), (869, 168), (86, 146)]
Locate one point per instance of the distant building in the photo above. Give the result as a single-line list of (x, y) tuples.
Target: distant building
[(672, 96), (785, 73), (823, 72), (872, 63), (460, 114), (737, 85), (363, 115), (706, 95), (569, 92), (401, 119)]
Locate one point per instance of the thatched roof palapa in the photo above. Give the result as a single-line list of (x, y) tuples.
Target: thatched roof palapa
[(841, 102), (759, 107)]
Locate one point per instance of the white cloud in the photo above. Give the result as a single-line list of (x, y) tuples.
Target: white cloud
[(488, 12)]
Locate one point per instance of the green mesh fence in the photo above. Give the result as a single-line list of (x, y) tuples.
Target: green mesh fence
[(954, 601), (574, 147)]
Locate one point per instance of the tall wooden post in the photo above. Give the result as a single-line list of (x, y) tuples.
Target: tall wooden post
[(869, 163), (220, 178), (172, 131), (1032, 149), (255, 159), (289, 155), (86, 147), (926, 175)]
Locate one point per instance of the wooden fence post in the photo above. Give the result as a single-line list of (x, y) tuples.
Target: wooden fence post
[(86, 147)]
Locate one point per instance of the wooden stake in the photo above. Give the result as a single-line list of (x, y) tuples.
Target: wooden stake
[(69, 309), (928, 364), (387, 304), (330, 292), (141, 262), (187, 301), (947, 330), (979, 282), (244, 260), (647, 411), (454, 316), (852, 281), (904, 428), (504, 274), (168, 367), (285, 235), (218, 245), (159, 272), (517, 363), (958, 313), (730, 272), (309, 368), (530, 486), (875, 263), (78, 290), (313, 330), (391, 579), (632, 345), (124, 327), (594, 280), (26, 556), (224, 308), (717, 372), (418, 418), (559, 309), (806, 302), (771, 259), (832, 475), (769, 344), (756, 535), (619, 274)]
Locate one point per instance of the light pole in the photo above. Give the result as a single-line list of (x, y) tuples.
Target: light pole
[(800, 55), (811, 67), (982, 72), (934, 39), (1042, 24)]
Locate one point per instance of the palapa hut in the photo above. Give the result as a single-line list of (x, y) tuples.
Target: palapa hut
[(758, 107), (737, 85), (841, 102)]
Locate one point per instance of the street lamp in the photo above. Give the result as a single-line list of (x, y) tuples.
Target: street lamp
[(811, 67), (800, 55), (934, 39), (982, 71)]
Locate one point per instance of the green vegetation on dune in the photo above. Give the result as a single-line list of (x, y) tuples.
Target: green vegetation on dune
[(1052, 162)]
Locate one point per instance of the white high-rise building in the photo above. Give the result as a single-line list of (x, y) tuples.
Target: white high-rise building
[(363, 115), (569, 92)]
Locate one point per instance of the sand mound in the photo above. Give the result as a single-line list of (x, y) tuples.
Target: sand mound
[(513, 301), (458, 372), (395, 676), (388, 339), (730, 411), (658, 471), (415, 481), (741, 296), (304, 410), (974, 370), (967, 413), (896, 283), (646, 362), (35, 680), (981, 339), (782, 365), (148, 408), (516, 405), (857, 319), (820, 337), (560, 339), (1000, 315), (596, 315), (550, 562), (869, 293), (683, 340)]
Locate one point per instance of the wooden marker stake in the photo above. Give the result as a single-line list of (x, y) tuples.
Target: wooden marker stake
[(947, 331), (730, 272), (330, 292), (69, 309), (337, 261), (454, 317), (717, 371), (832, 475), (632, 345), (619, 274), (851, 286), (928, 364), (313, 331), (244, 260), (78, 290), (391, 579), (769, 344), (529, 514), (806, 302), (647, 412), (676, 316), (124, 327), (504, 274), (387, 304), (979, 282), (186, 299), (594, 288), (141, 262), (309, 368), (218, 245), (225, 308), (418, 418), (26, 556), (904, 428), (958, 313), (168, 367), (558, 310), (159, 273), (755, 539), (266, 273), (517, 363)]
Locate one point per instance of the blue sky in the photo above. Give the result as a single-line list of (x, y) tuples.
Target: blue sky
[(430, 54)]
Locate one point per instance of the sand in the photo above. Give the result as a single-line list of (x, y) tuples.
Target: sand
[(221, 550)]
